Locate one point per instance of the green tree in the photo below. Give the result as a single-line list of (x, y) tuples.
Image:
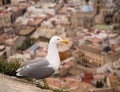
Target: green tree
[(99, 84)]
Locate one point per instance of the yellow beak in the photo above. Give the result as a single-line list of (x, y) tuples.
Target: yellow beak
[(64, 41)]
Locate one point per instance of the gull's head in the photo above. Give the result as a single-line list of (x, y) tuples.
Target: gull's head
[(56, 40)]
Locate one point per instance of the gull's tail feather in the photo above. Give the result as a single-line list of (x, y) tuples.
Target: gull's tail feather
[(18, 74)]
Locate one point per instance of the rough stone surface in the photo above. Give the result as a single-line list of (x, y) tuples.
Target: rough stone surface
[(9, 84)]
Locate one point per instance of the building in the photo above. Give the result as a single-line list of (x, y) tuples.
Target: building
[(113, 80), (26, 30), (116, 17), (99, 48), (88, 77), (99, 4), (106, 11), (92, 56), (84, 17)]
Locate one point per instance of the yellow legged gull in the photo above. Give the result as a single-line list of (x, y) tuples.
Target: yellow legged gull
[(42, 68)]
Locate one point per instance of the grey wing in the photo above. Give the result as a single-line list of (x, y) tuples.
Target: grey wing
[(38, 61), (36, 72), (38, 69)]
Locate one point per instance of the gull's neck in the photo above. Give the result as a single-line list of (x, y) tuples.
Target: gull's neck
[(53, 56)]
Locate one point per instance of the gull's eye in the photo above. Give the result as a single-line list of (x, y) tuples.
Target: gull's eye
[(58, 39)]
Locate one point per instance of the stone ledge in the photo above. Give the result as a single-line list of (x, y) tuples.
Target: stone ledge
[(9, 84)]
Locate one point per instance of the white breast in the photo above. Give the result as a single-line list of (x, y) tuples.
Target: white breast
[(53, 56)]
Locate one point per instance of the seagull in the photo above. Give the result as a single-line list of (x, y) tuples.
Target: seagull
[(42, 68)]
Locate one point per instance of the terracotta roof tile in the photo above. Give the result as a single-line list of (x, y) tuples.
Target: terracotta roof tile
[(3, 37), (96, 40), (64, 82)]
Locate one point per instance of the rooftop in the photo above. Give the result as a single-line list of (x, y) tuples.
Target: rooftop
[(2, 47), (87, 8), (91, 48), (26, 30)]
